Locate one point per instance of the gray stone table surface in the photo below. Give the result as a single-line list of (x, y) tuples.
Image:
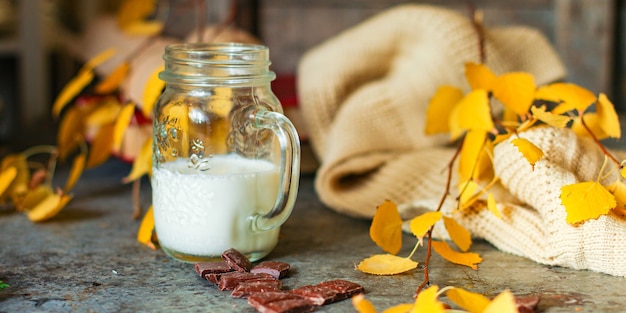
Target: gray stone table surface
[(86, 259)]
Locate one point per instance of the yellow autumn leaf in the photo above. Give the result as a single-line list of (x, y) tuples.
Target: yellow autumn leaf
[(502, 303), (531, 152), (19, 184), (461, 237), (491, 205), (468, 193), (131, 11), (71, 126), (559, 121), (586, 200), (469, 259), (121, 124), (473, 162), (154, 87), (440, 108), (142, 164), (113, 81), (71, 90), (427, 302), (42, 203), (105, 112), (362, 305), (6, 178), (146, 228), (479, 76), (515, 90), (422, 223), (618, 189), (608, 119), (473, 112), (386, 227), (100, 146), (99, 59), (509, 116), (400, 308), (76, 171), (468, 301), (570, 96), (386, 264), (592, 120), (143, 28)]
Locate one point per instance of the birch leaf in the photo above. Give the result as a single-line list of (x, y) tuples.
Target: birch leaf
[(400, 308), (113, 81), (101, 146), (516, 91), (502, 303), (491, 205), (6, 178), (152, 91), (421, 224), (608, 119), (440, 108), (146, 229), (461, 237), (42, 203), (121, 124), (586, 200), (592, 120), (386, 264), (618, 189), (142, 165), (362, 305), (473, 162), (558, 121), (143, 28), (386, 227), (77, 170), (531, 152), (469, 301), (70, 127), (473, 112), (427, 302), (469, 259), (71, 90), (570, 96), (468, 194), (479, 76), (99, 59), (105, 112)]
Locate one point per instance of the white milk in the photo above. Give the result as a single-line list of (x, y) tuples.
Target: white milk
[(202, 214)]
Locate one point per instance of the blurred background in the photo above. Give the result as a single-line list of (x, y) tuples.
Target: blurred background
[(44, 42)]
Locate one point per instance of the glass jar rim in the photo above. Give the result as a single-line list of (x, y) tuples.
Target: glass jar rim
[(227, 53)]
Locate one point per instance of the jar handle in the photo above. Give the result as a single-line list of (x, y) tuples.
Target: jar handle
[(289, 168)]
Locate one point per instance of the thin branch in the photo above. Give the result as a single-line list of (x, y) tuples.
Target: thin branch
[(426, 280), (597, 141)]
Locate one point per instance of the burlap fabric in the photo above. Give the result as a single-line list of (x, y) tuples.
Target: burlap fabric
[(364, 94)]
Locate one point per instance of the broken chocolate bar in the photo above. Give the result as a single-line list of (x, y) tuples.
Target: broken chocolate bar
[(275, 268), (236, 260), (279, 302), (230, 280), (317, 295), (247, 288), (203, 268), (345, 289)]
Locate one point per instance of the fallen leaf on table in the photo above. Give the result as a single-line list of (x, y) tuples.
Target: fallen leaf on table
[(469, 259), (386, 264), (386, 227)]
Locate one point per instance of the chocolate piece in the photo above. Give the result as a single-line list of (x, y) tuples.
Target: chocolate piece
[(317, 295), (247, 288), (275, 268), (345, 289), (279, 302), (236, 260), (526, 304), (230, 280), (203, 268)]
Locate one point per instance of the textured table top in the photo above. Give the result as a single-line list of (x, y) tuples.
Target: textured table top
[(86, 259)]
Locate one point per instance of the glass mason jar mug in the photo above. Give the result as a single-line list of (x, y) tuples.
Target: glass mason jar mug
[(226, 161)]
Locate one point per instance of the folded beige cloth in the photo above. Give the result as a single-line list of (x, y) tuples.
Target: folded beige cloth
[(364, 95)]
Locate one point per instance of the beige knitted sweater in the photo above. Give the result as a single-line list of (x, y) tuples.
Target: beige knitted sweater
[(364, 94)]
